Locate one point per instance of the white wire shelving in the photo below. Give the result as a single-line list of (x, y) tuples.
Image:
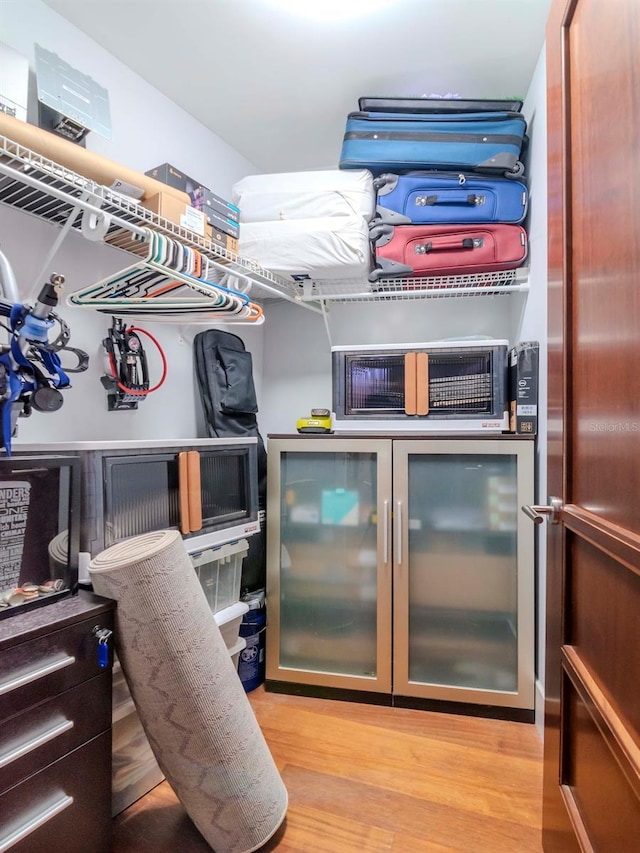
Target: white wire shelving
[(405, 289), (38, 186)]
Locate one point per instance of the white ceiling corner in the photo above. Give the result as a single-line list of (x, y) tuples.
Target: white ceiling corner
[(278, 87)]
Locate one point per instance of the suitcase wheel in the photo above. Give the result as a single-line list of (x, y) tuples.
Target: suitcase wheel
[(517, 171), (376, 231)]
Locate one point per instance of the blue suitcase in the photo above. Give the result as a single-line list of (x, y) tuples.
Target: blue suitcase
[(431, 198), (396, 142)]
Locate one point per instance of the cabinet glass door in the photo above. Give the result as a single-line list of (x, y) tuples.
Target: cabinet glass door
[(332, 623), (461, 625), (141, 495), (226, 478)]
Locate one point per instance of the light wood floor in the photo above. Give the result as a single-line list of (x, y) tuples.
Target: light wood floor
[(366, 779)]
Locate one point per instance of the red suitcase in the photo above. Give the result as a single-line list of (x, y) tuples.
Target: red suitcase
[(420, 250)]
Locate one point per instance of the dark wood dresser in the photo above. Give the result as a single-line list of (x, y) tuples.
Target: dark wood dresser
[(55, 729)]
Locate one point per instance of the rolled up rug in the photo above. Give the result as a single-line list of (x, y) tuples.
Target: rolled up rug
[(192, 705)]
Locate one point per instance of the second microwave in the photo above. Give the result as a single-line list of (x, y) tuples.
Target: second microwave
[(448, 386), (205, 488)]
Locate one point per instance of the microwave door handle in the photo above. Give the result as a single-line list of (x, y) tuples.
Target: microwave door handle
[(422, 383), (410, 380), (194, 491), (183, 491)]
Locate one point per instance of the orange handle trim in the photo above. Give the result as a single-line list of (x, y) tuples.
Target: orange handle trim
[(422, 383), (183, 492), (194, 490), (410, 366)]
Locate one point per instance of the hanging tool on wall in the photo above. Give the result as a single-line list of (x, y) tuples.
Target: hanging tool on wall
[(31, 373), (127, 380)]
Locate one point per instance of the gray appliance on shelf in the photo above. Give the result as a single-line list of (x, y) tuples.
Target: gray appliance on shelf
[(14, 83), (70, 103)]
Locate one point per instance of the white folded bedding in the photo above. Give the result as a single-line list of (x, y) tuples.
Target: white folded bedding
[(332, 247), (305, 195)]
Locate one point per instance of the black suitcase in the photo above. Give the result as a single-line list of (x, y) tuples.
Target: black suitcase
[(436, 105)]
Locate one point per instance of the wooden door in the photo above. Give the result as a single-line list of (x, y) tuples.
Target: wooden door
[(592, 713)]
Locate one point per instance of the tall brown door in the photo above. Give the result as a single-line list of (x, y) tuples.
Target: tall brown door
[(592, 713)]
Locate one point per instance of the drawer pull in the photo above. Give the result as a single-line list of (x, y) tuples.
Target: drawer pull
[(35, 742), (34, 675), (34, 823)]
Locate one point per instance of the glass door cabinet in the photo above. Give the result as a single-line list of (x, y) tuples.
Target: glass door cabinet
[(402, 567), (329, 563)]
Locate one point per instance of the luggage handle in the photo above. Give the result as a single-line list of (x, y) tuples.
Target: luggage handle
[(447, 244), (455, 199)]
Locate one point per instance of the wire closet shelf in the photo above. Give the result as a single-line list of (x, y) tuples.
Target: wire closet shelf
[(152, 285)]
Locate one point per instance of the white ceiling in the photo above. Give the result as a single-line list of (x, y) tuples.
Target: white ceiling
[(277, 86)]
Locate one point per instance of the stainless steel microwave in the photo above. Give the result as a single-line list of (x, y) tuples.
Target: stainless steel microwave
[(448, 386), (205, 488)]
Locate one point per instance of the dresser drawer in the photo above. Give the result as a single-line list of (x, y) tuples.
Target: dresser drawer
[(66, 808), (45, 732), (32, 671)]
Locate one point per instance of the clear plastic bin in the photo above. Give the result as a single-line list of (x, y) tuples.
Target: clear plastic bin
[(219, 571), (228, 620)]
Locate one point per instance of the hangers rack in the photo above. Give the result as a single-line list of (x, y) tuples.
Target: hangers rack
[(33, 184)]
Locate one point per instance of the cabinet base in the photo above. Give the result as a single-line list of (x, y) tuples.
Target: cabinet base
[(466, 709), (318, 692)]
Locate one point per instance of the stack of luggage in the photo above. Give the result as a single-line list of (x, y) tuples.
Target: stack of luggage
[(448, 177), (308, 225)]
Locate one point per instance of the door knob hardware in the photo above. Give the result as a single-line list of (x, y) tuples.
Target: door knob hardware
[(537, 513)]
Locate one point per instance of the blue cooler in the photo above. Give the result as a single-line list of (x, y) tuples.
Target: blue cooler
[(253, 626)]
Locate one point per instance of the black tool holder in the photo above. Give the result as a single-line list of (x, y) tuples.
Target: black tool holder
[(128, 381)]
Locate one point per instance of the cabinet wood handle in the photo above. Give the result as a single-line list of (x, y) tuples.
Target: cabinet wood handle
[(410, 383), (34, 823), (422, 383), (399, 531), (183, 491), (195, 500), (35, 742), (35, 674)]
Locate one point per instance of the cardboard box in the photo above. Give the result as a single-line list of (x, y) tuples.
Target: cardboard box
[(222, 239), (178, 212), (523, 388), (222, 207), (221, 222), (172, 177), (220, 214), (168, 174)]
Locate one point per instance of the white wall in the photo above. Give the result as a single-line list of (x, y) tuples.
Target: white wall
[(534, 327), (148, 129), (297, 355)]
